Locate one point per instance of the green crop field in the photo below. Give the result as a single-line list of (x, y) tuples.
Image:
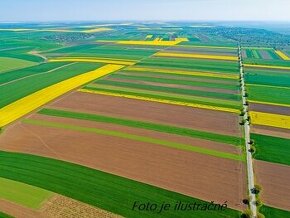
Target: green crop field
[(272, 149), (103, 190), (175, 94)]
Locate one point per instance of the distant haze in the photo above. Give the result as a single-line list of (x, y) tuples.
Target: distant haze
[(106, 10)]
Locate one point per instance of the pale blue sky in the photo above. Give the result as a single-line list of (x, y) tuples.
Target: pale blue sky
[(101, 10)]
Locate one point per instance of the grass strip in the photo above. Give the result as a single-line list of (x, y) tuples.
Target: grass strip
[(137, 138), (145, 125)]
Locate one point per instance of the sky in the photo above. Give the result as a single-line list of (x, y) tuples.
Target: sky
[(153, 10)]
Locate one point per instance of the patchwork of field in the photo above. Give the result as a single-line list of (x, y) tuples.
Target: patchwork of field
[(96, 118), (268, 80)]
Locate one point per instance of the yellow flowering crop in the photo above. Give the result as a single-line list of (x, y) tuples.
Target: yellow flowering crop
[(31, 102), (282, 55), (268, 119)]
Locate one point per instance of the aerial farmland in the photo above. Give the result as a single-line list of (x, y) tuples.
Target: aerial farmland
[(144, 119)]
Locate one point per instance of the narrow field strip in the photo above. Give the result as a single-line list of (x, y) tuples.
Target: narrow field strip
[(154, 43), (199, 56), (267, 66), (23, 194), (228, 139), (93, 60), (282, 55), (174, 90), (181, 72), (206, 46), (268, 119), (269, 86), (269, 103), (161, 101), (163, 95), (175, 81), (137, 138), (100, 189), (31, 102)]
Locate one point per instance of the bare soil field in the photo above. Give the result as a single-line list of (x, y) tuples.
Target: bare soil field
[(274, 179), (271, 131), (212, 121), (270, 108), (57, 207), (207, 89), (201, 176)]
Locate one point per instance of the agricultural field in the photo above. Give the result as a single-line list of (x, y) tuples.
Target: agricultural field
[(118, 119)]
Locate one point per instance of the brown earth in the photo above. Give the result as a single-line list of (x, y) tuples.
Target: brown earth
[(197, 175), (195, 118), (178, 77), (265, 55), (270, 108), (56, 207), (271, 131), (274, 179), (60, 206), (200, 88), (142, 132), (195, 50), (17, 211)]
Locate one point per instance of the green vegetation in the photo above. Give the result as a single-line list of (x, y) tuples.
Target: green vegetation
[(7, 64), (269, 94), (23, 194), (145, 125), (94, 50), (274, 212), (29, 71), (268, 77), (100, 189), (165, 143), (4, 215), (273, 149), (21, 88)]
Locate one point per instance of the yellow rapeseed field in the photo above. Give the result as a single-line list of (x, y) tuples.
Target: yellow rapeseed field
[(95, 30), (96, 60), (202, 56), (282, 55), (267, 66), (149, 36), (31, 102), (156, 43), (162, 101), (183, 72), (268, 119)]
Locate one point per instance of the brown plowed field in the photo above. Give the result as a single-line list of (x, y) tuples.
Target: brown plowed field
[(206, 120), (200, 88), (274, 179), (193, 174), (270, 108), (271, 131)]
